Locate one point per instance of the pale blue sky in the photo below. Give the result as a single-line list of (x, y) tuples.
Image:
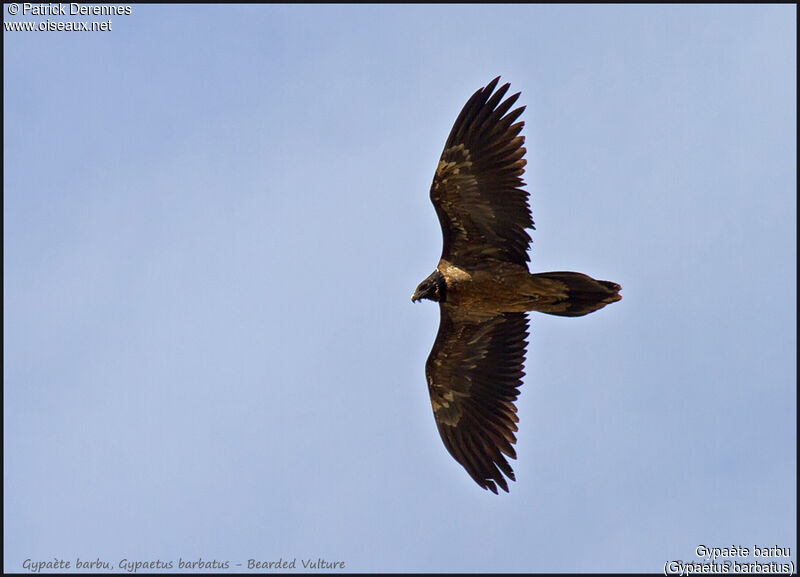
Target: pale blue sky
[(215, 217)]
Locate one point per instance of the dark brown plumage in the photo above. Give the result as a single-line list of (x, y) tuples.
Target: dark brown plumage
[(484, 289)]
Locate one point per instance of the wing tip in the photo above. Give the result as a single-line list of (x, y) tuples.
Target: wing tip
[(494, 483), (492, 83)]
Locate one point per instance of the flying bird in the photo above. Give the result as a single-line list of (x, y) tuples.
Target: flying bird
[(484, 288)]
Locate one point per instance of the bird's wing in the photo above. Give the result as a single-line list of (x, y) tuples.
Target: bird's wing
[(474, 371), (477, 189)]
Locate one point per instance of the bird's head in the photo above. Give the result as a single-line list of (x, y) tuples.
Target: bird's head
[(432, 288)]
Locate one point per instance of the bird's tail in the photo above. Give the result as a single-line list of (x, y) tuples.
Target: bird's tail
[(572, 294)]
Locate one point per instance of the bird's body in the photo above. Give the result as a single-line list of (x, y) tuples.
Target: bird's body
[(484, 288), (498, 286), (491, 288)]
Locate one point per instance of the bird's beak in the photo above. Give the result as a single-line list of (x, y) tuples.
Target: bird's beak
[(414, 297)]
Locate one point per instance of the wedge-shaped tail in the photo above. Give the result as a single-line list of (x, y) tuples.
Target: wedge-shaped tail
[(572, 294)]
